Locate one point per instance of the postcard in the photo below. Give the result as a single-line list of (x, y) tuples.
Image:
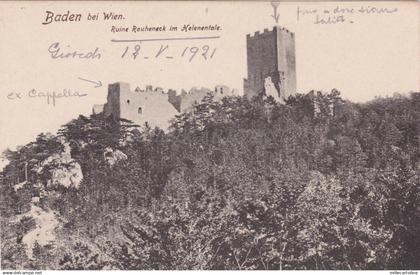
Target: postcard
[(210, 135)]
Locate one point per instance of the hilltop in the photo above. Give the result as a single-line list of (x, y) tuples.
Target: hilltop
[(315, 183)]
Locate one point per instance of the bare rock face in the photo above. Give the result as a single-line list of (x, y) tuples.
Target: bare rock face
[(65, 171), (271, 90), (44, 232), (113, 156), (68, 175), (20, 185)]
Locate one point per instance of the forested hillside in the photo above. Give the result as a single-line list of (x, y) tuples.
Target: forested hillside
[(317, 183)]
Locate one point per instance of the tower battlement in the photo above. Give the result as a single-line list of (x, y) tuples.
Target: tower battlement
[(266, 31)]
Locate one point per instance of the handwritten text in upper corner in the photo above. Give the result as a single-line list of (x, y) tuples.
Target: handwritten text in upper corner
[(341, 14)]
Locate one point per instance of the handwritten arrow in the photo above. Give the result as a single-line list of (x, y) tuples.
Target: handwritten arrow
[(275, 14), (97, 83)]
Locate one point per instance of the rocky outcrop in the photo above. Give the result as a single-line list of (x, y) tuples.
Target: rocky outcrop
[(64, 170), (43, 233), (20, 185), (113, 156)]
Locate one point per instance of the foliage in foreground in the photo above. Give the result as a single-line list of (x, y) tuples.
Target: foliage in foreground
[(236, 184)]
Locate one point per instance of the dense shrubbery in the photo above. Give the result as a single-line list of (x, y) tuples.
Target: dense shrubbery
[(236, 184)]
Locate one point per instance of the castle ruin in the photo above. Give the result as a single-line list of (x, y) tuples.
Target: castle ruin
[(153, 106), (271, 72)]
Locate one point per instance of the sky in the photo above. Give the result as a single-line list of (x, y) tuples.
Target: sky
[(370, 54)]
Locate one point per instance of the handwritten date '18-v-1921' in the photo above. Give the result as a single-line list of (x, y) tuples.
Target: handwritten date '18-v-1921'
[(188, 52), (204, 52)]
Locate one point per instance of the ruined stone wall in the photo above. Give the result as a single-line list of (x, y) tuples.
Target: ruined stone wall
[(154, 106), (151, 106), (97, 109), (221, 91), (194, 96), (174, 99)]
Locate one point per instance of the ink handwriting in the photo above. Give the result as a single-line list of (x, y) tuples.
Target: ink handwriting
[(340, 14), (56, 52), (189, 53), (51, 97)]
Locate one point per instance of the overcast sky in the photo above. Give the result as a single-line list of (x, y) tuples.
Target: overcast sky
[(373, 55)]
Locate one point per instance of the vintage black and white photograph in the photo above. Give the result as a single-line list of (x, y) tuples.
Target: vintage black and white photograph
[(210, 135)]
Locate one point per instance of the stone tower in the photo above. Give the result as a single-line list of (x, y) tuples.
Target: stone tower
[(271, 58)]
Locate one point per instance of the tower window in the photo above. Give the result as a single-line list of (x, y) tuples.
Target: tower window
[(128, 101), (140, 111)]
